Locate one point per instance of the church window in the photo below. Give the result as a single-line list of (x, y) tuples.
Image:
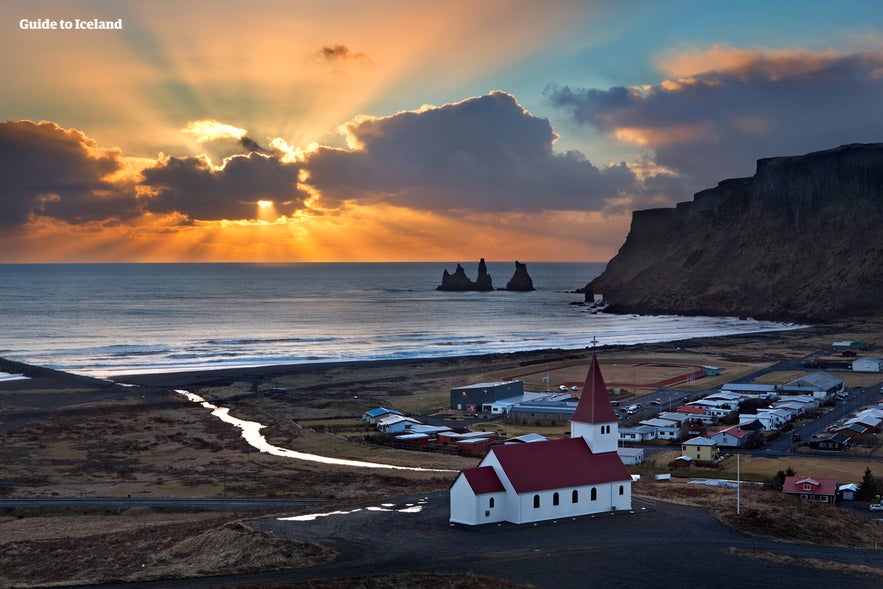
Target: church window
[(574, 498), (594, 494), (555, 499), (536, 501), (491, 503), (621, 490)]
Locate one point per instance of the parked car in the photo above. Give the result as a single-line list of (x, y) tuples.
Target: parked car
[(614, 403), (876, 506), (656, 402)]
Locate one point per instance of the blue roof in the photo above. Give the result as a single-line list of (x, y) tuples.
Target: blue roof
[(380, 411)]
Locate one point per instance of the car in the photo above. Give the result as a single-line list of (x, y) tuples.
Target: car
[(876, 506), (656, 402), (614, 403), (563, 388)]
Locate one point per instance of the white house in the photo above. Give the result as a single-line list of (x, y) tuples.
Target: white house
[(638, 433), (767, 420), (575, 476), (395, 424), (867, 365), (665, 429), (820, 385)]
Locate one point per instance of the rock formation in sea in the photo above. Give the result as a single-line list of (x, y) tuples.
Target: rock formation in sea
[(458, 281), (800, 240), (521, 280)]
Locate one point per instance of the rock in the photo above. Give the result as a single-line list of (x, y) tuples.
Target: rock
[(459, 282), (800, 241), (521, 280)]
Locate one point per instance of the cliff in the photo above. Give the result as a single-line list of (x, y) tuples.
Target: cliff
[(801, 240)]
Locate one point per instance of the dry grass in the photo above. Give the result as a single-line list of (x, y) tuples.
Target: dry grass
[(771, 514), (813, 563), (172, 550)]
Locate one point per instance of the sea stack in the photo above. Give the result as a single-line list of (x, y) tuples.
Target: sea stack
[(521, 280), (459, 282)]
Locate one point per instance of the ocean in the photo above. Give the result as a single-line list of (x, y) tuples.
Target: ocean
[(116, 319)]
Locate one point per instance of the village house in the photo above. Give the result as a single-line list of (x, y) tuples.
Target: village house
[(811, 488), (395, 424), (700, 448), (837, 442), (737, 436), (579, 475), (372, 415), (867, 364), (664, 429), (638, 433)]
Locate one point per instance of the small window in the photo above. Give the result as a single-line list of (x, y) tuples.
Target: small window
[(536, 501), (555, 499), (594, 494), (574, 497), (807, 487), (491, 503), (621, 489)]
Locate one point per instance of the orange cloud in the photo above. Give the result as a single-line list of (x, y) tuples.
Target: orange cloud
[(774, 63)]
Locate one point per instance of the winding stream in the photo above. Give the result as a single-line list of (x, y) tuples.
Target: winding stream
[(251, 432)]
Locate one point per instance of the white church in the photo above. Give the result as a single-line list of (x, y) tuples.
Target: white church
[(523, 483)]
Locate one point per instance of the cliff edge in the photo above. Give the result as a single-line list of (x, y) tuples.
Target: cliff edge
[(801, 240)]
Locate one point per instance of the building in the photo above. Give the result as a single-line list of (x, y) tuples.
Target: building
[(820, 385), (811, 489), (372, 415), (736, 437), (700, 448), (836, 442), (579, 475), (867, 364), (473, 398), (395, 424), (851, 345), (638, 433), (631, 456)]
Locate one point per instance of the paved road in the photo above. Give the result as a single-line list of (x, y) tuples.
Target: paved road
[(655, 544)]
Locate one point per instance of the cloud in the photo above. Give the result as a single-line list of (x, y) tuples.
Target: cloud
[(61, 173), (337, 54), (193, 187), (483, 153), (731, 107)]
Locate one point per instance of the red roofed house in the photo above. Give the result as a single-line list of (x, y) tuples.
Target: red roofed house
[(575, 476), (810, 488)]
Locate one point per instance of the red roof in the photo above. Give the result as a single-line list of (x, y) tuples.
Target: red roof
[(817, 486), (690, 409), (594, 405), (735, 431), (558, 464), (483, 480)]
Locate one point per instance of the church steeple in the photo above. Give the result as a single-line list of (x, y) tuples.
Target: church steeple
[(594, 418)]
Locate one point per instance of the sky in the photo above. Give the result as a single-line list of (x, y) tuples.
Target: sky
[(386, 130)]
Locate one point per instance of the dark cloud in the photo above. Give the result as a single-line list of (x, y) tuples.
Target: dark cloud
[(485, 153), (714, 125), (250, 146), (191, 186), (339, 54), (61, 173)]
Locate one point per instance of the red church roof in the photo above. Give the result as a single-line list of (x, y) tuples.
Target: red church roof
[(594, 405), (483, 480), (558, 464)]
